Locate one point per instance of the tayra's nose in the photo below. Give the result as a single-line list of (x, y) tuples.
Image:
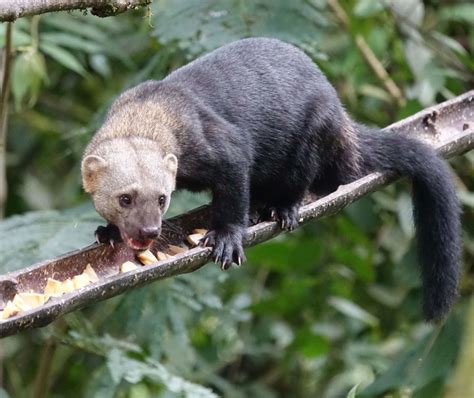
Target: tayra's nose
[(150, 232)]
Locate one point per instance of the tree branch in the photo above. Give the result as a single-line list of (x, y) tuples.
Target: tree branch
[(13, 9)]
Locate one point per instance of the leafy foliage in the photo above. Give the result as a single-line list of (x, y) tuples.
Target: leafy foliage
[(330, 310)]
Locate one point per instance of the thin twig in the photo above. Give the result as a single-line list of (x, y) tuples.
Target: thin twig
[(368, 54), (43, 376), (4, 115), (429, 40)]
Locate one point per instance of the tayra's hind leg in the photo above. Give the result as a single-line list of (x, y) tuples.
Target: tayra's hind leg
[(283, 207), (286, 216)]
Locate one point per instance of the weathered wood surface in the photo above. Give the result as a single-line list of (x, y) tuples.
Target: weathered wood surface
[(11, 10)]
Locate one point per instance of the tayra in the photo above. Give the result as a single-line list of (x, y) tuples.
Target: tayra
[(256, 121)]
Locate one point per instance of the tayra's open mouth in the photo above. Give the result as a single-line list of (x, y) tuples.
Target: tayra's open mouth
[(137, 244)]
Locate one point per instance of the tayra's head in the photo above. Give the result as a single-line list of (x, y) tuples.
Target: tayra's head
[(131, 181)]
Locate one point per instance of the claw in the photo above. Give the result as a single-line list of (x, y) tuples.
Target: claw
[(97, 239), (216, 259), (239, 261), (223, 265), (206, 241), (111, 242), (283, 224), (273, 214)]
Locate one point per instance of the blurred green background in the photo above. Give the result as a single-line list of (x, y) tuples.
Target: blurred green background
[(331, 310)]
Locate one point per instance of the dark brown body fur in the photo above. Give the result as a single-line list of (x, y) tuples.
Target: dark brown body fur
[(257, 121)]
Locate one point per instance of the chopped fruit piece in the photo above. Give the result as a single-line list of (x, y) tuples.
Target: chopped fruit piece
[(128, 266), (91, 274), (19, 303), (162, 256), (194, 239), (176, 249), (10, 310), (32, 300), (80, 281), (67, 286), (22, 302), (200, 231), (53, 288), (146, 257)]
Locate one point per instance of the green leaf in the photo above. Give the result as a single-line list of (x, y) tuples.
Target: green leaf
[(36, 236), (60, 39), (205, 25), (100, 384), (117, 367), (100, 64), (19, 37), (405, 218), (3, 393), (123, 367), (21, 79), (352, 310), (64, 57), (367, 8), (352, 392), (77, 26), (422, 364), (463, 12), (86, 35), (272, 254), (28, 73), (310, 345), (410, 12), (451, 43)]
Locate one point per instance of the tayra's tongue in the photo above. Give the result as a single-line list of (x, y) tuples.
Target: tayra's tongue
[(139, 244)]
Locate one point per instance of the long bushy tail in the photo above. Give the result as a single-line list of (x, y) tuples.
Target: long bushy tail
[(436, 210)]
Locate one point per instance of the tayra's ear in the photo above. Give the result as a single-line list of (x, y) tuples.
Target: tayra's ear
[(171, 163), (91, 167)]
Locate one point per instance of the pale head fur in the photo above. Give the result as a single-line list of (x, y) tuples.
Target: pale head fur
[(134, 153), (136, 167)]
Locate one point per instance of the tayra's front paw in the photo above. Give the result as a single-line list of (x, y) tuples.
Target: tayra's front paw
[(109, 234), (287, 217), (227, 247)]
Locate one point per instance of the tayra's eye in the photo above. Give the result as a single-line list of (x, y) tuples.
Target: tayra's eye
[(125, 200), (162, 200)]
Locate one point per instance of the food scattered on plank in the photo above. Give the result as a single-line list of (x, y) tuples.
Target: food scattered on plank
[(9, 310), (28, 300), (53, 288), (146, 257), (23, 302), (163, 256), (89, 271), (195, 238), (176, 249), (128, 266), (68, 286)]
